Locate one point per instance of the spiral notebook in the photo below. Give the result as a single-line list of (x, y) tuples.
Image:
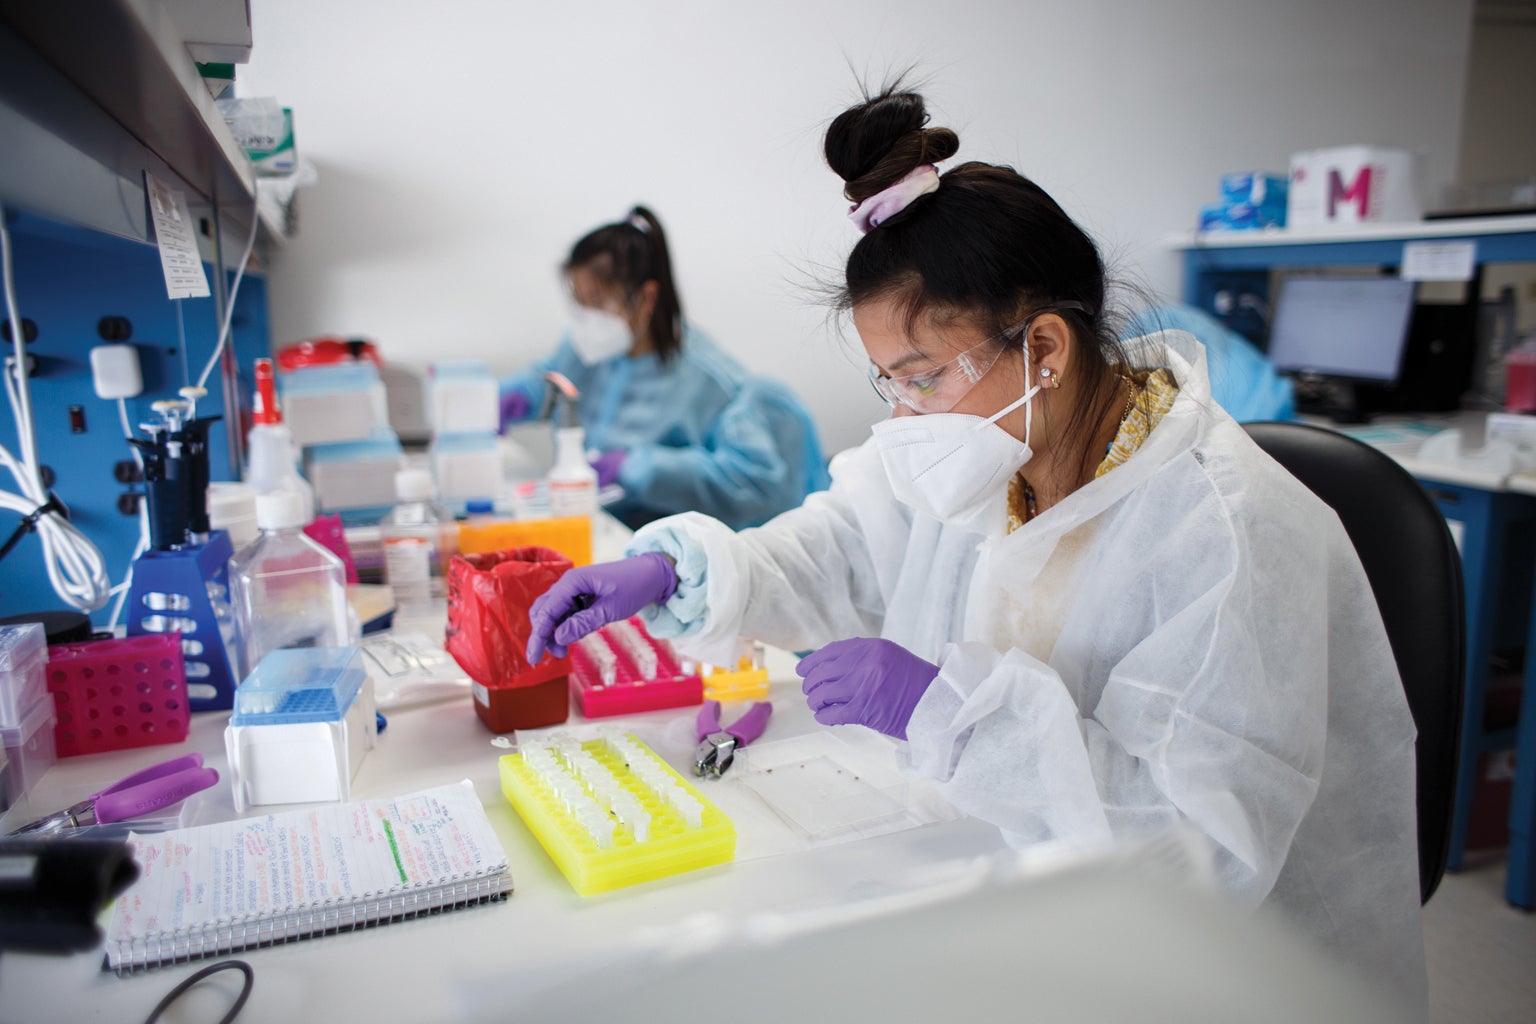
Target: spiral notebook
[(300, 874)]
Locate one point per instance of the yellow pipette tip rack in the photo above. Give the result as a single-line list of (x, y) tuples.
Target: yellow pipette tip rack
[(610, 813)]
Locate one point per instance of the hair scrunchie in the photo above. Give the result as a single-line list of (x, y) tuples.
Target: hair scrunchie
[(885, 204)]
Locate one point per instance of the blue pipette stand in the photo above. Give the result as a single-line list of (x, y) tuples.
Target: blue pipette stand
[(176, 591)]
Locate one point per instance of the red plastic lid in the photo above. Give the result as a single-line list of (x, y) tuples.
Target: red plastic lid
[(265, 409), (327, 350)]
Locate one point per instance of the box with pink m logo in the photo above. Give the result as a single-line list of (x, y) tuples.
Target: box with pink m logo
[(1353, 185)]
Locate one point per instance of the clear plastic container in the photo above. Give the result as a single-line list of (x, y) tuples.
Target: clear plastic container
[(572, 482), (29, 752), (420, 536), (23, 668), (288, 591)]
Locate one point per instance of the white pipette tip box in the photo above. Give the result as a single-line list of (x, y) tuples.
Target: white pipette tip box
[(302, 721)]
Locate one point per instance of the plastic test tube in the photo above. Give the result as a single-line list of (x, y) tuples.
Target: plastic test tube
[(628, 640), (603, 659)]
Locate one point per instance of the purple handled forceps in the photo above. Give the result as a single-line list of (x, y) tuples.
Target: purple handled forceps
[(717, 744), (157, 786)]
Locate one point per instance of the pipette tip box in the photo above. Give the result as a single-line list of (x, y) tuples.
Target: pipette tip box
[(622, 669), (610, 813), (302, 721)]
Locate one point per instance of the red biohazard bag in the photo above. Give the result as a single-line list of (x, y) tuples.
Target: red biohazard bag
[(488, 600)]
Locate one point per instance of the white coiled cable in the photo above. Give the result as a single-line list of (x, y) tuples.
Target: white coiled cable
[(74, 565)]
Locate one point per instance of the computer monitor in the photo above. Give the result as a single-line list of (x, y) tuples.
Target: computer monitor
[(1341, 333)]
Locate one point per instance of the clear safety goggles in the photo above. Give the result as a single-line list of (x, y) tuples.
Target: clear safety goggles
[(940, 388)]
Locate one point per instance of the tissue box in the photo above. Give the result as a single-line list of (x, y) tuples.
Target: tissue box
[(1241, 216), (1352, 185), (1255, 188), (1249, 200)]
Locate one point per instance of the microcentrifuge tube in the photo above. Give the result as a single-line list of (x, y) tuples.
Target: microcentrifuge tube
[(596, 648), (628, 640)]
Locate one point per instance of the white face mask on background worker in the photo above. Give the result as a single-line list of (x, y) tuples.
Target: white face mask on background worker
[(955, 466), (607, 321), (598, 335)]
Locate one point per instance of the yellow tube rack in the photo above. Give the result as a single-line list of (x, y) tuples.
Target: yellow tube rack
[(588, 837)]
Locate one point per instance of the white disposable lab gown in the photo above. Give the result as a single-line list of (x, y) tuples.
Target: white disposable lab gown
[(1187, 638)]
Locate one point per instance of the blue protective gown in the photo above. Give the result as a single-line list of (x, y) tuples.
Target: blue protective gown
[(700, 432), (1243, 381)]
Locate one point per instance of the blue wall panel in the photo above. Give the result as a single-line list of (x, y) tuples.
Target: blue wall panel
[(67, 279)]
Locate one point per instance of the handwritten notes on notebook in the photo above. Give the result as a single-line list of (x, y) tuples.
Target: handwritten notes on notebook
[(333, 867)]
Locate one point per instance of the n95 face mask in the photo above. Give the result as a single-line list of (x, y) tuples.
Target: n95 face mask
[(598, 335), (952, 466)]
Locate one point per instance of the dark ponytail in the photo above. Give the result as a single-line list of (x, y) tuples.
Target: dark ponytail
[(988, 245), (628, 254)]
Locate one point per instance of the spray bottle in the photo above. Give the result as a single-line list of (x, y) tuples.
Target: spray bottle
[(274, 463), (572, 482)]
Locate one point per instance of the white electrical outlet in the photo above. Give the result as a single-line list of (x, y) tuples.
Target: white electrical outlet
[(115, 371)]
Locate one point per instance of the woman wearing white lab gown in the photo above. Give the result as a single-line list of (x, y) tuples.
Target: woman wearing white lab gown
[(1077, 592)]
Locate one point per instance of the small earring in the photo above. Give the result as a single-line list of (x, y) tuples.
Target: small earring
[(1049, 379)]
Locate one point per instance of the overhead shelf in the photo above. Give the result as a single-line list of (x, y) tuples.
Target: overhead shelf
[(1497, 240), (94, 92), (1343, 234)]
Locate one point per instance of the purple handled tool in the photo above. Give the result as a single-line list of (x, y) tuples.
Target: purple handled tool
[(157, 786), (717, 744)]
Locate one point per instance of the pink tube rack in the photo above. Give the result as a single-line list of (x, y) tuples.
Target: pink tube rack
[(631, 686), (118, 694)]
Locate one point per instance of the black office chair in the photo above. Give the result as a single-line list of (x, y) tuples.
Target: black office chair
[(1415, 573)]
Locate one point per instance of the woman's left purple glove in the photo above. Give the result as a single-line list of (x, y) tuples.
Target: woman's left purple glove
[(865, 681), (606, 466), (514, 407)]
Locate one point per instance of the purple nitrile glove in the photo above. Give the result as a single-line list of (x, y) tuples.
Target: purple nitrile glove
[(865, 681), (607, 466), (589, 598), (514, 407)]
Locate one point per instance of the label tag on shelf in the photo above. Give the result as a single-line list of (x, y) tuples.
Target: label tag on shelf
[(175, 237), (1438, 261)]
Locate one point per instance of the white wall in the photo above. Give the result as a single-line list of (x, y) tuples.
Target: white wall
[(464, 145), (1499, 134)]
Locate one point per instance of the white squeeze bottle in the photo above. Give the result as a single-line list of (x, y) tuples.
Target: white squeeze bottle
[(273, 461), (288, 591), (572, 481), (419, 538)]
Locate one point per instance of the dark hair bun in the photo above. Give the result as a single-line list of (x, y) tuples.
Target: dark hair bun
[(875, 144)]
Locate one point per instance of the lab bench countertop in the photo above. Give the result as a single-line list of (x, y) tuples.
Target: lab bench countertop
[(475, 963)]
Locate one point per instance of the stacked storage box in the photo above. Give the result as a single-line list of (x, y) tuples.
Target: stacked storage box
[(339, 418), (26, 710), (465, 407)]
